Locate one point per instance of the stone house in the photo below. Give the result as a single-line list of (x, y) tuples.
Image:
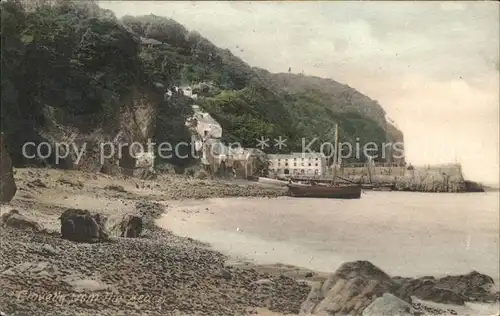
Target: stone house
[(203, 124), (248, 162)]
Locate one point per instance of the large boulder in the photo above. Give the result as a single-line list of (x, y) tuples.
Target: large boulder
[(15, 219), (81, 226), (360, 288), (427, 289), (451, 289), (130, 226), (389, 305), (348, 291), (474, 286), (8, 186)]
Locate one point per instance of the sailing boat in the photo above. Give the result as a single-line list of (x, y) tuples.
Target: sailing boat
[(332, 191)]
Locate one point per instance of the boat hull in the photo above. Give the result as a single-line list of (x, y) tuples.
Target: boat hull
[(320, 191), (382, 189)]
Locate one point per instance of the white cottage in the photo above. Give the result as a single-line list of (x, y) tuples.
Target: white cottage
[(298, 164)]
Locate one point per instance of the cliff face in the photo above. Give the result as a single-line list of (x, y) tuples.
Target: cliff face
[(91, 145), (138, 115)]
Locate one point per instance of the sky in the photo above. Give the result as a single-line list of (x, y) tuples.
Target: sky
[(433, 66)]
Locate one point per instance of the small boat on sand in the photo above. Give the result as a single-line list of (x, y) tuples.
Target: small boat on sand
[(324, 191)]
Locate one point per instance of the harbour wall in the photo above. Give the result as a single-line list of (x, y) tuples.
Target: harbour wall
[(437, 178)]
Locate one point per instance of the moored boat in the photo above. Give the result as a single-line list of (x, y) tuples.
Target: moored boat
[(324, 191), (333, 191)]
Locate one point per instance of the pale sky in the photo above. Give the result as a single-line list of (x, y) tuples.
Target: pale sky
[(433, 66)]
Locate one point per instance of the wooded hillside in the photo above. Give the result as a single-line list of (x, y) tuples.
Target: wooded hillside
[(78, 63)]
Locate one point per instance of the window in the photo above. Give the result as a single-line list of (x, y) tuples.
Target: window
[(316, 158), (302, 164), (294, 164), (286, 164), (316, 164), (309, 165), (302, 171)]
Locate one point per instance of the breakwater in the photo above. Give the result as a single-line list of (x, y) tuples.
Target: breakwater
[(437, 178), (430, 178)]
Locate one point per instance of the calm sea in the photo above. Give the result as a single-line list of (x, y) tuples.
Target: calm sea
[(408, 234)]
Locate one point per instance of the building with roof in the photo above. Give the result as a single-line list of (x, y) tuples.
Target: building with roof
[(298, 164), (203, 124)]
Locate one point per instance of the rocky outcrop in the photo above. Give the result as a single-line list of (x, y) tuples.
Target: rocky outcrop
[(351, 289), (16, 220), (427, 289), (458, 289), (360, 288), (137, 125), (79, 225), (471, 186), (474, 286), (8, 186)]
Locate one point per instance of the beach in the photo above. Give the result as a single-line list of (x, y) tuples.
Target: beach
[(228, 248)]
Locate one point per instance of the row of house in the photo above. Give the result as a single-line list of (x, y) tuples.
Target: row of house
[(245, 162)]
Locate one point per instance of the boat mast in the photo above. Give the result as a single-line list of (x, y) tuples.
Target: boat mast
[(335, 154)]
